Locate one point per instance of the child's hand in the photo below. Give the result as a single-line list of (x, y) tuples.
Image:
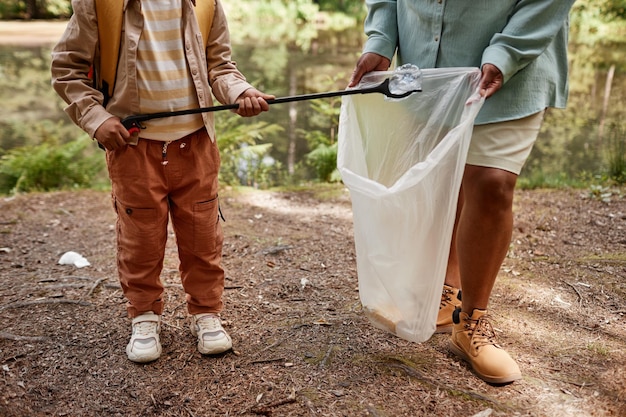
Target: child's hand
[(252, 102), (112, 134)]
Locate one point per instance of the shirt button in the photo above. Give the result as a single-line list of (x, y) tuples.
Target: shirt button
[(436, 38), (129, 211)]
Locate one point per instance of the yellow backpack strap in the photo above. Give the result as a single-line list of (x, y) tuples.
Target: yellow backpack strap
[(110, 15), (205, 11)]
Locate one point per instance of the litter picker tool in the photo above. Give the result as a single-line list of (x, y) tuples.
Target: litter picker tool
[(404, 81)]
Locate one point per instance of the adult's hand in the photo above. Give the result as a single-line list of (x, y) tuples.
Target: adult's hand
[(112, 134), (490, 81), (252, 102), (368, 62)]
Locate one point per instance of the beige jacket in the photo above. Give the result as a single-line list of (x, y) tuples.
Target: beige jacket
[(212, 70)]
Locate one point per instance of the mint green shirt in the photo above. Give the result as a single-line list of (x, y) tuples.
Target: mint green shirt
[(525, 39)]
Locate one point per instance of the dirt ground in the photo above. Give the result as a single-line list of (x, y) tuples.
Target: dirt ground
[(302, 345), (14, 32)]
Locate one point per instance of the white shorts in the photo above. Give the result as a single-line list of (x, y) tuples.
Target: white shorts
[(504, 145)]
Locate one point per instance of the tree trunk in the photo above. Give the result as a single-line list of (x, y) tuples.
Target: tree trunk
[(32, 9), (605, 102), (292, 132)]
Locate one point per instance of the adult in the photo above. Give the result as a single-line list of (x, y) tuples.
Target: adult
[(521, 48)]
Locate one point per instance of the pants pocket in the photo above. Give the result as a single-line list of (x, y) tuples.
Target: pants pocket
[(141, 233), (205, 226)]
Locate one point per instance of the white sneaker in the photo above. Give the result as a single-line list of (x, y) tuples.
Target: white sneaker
[(212, 338), (144, 345)]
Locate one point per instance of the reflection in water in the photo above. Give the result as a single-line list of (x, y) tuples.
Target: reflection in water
[(582, 138)]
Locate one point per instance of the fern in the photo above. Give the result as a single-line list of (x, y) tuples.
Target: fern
[(49, 166)]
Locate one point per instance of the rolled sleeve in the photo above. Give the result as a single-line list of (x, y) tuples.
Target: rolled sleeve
[(381, 28), (525, 39), (531, 29), (227, 82), (72, 59)]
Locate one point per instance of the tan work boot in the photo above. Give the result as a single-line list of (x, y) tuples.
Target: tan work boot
[(450, 300), (474, 340)]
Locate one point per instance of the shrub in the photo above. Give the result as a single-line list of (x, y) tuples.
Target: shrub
[(50, 166), (244, 161), (617, 154), (324, 159)]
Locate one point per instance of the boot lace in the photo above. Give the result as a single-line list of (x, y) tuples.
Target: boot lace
[(445, 298), (481, 332)]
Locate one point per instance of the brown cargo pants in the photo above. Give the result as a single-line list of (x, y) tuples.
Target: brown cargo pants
[(152, 182)]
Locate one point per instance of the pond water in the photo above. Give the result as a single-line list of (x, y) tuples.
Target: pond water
[(584, 138)]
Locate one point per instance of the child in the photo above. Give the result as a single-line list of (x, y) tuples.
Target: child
[(171, 169)]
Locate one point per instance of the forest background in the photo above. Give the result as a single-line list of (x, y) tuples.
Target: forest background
[(40, 149)]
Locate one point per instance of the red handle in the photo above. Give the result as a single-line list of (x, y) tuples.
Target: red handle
[(133, 130)]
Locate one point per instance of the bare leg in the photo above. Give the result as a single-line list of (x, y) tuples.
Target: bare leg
[(453, 276), (483, 232)]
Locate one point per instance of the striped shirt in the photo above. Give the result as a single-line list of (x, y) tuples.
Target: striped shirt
[(163, 78)]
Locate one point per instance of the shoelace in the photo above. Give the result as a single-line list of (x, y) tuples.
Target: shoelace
[(481, 332), (145, 328), (445, 298), (209, 323)]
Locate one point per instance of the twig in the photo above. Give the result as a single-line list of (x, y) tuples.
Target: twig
[(76, 277), (372, 411), (275, 249), (278, 342), (575, 383), (326, 357), (580, 297), (186, 361), (95, 285), (47, 301), (13, 358), (58, 286), (412, 372), (166, 323), (17, 338), (266, 409), (267, 360), (103, 354)]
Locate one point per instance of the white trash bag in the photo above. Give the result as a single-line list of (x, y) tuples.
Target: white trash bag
[(403, 160)]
